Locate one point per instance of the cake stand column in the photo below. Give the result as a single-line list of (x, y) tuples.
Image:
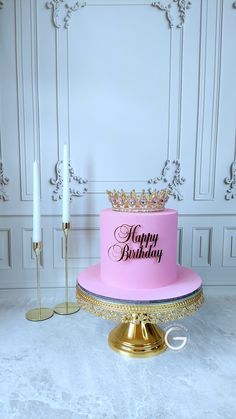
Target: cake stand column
[(137, 338)]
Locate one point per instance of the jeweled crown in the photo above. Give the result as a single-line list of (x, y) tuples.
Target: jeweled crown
[(146, 201)]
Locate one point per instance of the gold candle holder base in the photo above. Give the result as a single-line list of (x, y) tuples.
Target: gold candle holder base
[(66, 308), (39, 314), (139, 340)]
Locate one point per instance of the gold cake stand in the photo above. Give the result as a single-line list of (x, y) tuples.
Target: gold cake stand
[(137, 335)]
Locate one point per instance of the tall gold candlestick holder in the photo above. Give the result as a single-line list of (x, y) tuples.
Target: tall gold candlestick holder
[(39, 313), (68, 307)]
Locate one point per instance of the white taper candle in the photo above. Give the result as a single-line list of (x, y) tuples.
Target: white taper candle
[(36, 205), (66, 190)]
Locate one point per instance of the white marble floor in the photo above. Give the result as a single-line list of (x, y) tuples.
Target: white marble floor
[(63, 369)]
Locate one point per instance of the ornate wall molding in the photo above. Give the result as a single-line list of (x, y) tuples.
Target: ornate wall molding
[(3, 182), (1, 4), (208, 106), (231, 181), (234, 4), (70, 9), (60, 8), (58, 181), (55, 5), (28, 104), (181, 5), (174, 181)]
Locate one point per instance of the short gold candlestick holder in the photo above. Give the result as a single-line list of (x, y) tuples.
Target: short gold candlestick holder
[(39, 313), (68, 307)]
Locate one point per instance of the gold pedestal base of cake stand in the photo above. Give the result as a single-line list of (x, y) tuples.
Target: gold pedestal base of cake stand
[(138, 335), (137, 340)]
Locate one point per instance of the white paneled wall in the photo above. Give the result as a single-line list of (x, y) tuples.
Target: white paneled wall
[(144, 94)]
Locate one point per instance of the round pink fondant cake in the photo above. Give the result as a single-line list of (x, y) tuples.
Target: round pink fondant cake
[(138, 250), (138, 258)]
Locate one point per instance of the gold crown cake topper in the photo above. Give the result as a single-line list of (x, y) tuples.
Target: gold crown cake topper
[(149, 201)]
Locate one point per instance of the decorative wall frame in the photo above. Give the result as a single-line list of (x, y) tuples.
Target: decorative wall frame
[(58, 181), (231, 181), (182, 6), (171, 8), (174, 182), (3, 182), (60, 8)]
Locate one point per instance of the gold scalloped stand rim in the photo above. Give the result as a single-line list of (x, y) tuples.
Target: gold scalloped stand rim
[(152, 313)]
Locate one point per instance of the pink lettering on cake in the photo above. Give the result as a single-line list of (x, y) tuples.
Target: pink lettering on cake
[(127, 234)]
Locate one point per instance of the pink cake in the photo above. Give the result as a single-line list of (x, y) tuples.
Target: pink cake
[(138, 254)]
